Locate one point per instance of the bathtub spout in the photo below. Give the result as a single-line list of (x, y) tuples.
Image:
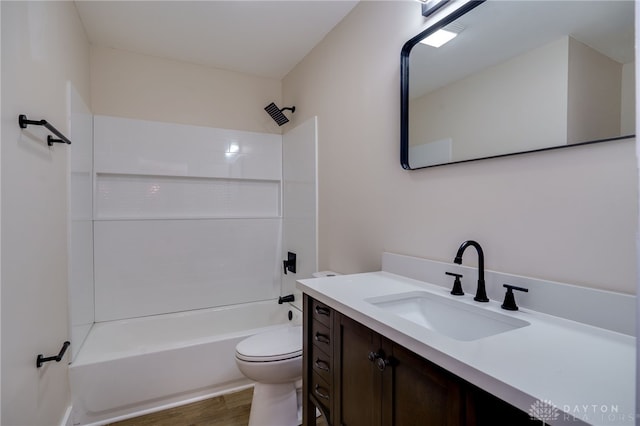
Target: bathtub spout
[(287, 298)]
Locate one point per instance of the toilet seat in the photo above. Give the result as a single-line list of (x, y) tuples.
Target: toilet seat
[(277, 345)]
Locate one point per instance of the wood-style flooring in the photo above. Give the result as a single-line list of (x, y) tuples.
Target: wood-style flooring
[(226, 410)]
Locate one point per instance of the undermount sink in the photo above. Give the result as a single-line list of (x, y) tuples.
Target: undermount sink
[(452, 318)]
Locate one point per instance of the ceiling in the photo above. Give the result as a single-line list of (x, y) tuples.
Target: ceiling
[(262, 38)]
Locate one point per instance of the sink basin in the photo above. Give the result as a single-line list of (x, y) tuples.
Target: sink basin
[(457, 320)]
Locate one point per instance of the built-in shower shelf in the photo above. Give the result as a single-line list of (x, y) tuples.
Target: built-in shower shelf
[(142, 196)]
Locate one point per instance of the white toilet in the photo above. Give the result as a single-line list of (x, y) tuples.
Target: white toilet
[(273, 360)]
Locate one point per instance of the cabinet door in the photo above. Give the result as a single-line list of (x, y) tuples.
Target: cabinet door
[(358, 380), (419, 392)]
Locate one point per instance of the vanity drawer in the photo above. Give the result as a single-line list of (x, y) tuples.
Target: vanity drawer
[(321, 312), (321, 337), (321, 392), (321, 363)]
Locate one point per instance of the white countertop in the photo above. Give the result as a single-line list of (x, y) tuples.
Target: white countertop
[(586, 372)]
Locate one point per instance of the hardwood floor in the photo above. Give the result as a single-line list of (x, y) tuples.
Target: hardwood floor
[(225, 410)]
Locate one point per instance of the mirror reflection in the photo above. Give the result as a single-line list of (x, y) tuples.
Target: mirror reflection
[(519, 76)]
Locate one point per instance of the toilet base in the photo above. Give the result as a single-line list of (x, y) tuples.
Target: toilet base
[(274, 405)]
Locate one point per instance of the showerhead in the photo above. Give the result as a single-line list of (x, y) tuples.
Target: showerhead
[(276, 113)]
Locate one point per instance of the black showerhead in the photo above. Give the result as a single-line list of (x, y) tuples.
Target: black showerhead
[(276, 113)]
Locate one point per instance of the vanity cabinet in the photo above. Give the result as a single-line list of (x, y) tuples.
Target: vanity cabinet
[(355, 376), (381, 383)]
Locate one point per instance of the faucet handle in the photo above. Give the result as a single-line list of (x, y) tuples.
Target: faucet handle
[(457, 285), (509, 299)]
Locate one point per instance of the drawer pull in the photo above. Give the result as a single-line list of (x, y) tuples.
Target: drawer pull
[(322, 338), (316, 390), (321, 365), (320, 310)]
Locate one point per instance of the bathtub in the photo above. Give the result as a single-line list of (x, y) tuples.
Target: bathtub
[(131, 367)]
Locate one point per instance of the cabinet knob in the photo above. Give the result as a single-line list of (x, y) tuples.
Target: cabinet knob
[(382, 363), (379, 359)]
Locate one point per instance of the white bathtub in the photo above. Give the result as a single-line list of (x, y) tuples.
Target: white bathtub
[(130, 367)]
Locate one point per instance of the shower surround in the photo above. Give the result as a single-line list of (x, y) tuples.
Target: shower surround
[(185, 217), (189, 229)]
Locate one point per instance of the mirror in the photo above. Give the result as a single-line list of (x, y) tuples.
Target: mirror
[(520, 76)]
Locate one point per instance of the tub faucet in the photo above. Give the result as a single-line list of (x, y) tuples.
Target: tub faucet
[(481, 292)]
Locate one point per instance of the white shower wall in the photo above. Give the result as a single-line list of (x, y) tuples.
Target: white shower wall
[(185, 217), (299, 177), (80, 290)]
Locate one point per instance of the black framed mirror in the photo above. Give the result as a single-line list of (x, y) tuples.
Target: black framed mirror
[(520, 76)]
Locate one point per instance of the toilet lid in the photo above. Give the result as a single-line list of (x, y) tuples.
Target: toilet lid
[(276, 345)]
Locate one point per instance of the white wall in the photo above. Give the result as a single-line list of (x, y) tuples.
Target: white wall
[(568, 215), (43, 47), (125, 84)]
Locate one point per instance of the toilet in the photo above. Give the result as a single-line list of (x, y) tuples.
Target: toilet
[(273, 359)]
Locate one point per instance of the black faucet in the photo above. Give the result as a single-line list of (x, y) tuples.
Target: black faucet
[(481, 292)]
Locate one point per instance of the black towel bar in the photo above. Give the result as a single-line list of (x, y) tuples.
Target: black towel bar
[(57, 358), (23, 122)]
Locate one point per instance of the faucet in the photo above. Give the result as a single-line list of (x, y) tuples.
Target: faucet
[(481, 292)]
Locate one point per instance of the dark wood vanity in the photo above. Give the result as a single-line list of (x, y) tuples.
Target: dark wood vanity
[(355, 376)]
